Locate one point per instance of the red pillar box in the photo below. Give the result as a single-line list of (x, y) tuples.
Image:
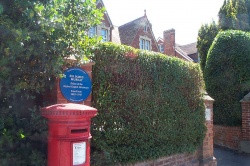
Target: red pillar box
[(69, 134)]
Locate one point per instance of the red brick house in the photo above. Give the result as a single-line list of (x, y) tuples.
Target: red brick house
[(105, 28), (138, 34), (169, 47)]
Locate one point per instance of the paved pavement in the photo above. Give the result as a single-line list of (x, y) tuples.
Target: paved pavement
[(226, 157)]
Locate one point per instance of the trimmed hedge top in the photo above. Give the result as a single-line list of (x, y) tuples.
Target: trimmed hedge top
[(227, 75), (149, 105)]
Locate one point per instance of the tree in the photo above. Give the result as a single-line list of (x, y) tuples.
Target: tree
[(227, 15), (248, 9), (234, 15), (227, 76), (242, 22), (35, 38), (206, 35)]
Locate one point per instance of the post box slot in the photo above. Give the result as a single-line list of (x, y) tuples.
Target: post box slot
[(77, 131)]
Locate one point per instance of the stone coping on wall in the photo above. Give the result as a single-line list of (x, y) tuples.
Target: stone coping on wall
[(246, 98)]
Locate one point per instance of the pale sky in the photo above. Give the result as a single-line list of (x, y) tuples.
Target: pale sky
[(185, 16)]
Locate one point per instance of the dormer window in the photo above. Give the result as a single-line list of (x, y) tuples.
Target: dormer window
[(161, 48)]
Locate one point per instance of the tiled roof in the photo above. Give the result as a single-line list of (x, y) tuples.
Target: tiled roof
[(183, 54), (129, 30), (188, 49)]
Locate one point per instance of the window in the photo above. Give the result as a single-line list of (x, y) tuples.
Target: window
[(92, 32), (145, 44), (104, 35), (142, 42), (161, 48)]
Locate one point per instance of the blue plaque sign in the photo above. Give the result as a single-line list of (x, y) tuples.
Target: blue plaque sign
[(75, 85)]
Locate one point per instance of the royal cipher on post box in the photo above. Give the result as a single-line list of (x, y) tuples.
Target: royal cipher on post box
[(69, 134)]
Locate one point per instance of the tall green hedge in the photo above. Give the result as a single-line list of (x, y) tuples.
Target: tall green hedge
[(149, 105), (227, 75)]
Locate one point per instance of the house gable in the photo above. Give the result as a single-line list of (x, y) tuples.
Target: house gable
[(105, 28), (140, 28), (106, 19)]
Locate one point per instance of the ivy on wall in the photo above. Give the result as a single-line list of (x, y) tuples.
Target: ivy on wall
[(149, 105)]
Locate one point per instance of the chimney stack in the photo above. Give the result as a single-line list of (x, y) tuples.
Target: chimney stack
[(169, 42)]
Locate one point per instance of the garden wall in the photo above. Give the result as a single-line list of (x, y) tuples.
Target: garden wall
[(236, 138), (179, 159), (227, 136)]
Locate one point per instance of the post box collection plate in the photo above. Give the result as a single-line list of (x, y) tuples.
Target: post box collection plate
[(75, 84), (79, 153)]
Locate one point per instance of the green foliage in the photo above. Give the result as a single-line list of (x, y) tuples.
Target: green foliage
[(23, 139), (149, 105), (36, 36), (227, 75), (234, 14), (205, 39)]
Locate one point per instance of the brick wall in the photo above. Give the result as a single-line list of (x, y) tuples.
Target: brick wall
[(245, 142), (236, 138), (227, 136), (246, 120), (177, 160)]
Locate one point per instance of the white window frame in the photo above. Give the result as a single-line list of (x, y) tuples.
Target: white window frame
[(161, 48), (145, 43), (106, 37)]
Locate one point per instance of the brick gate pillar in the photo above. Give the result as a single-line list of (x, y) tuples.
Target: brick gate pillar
[(245, 106), (60, 99), (207, 148)]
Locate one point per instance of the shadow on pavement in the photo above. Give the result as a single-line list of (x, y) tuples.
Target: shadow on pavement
[(227, 157)]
